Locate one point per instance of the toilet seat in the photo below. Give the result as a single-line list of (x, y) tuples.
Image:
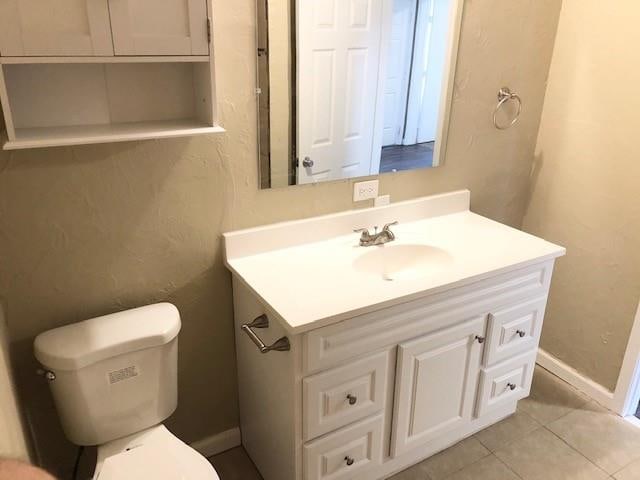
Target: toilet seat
[(155, 453)]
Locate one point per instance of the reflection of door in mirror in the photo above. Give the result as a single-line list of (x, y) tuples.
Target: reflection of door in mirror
[(413, 85), (338, 67), (353, 88)]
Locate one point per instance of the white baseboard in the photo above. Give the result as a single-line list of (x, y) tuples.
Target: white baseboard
[(218, 443), (570, 375)]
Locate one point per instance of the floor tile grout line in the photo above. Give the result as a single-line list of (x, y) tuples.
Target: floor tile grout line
[(524, 435), (578, 452), (508, 467), (451, 474), (538, 428), (606, 412)]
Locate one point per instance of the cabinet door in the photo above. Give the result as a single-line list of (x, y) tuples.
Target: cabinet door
[(436, 384), (54, 28), (149, 27)]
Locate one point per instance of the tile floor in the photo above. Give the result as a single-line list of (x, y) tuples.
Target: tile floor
[(556, 434)]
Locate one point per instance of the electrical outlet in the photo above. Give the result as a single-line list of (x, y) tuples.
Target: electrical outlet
[(365, 190)]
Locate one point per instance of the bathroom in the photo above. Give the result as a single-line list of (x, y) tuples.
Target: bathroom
[(94, 228)]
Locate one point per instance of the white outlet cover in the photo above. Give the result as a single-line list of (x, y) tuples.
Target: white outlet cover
[(365, 190), (382, 200)]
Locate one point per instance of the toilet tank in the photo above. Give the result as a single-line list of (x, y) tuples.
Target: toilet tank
[(113, 375)]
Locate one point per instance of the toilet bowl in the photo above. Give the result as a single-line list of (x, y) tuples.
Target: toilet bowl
[(155, 453), (114, 380)]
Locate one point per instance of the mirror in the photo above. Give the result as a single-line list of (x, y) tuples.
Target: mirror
[(350, 88)]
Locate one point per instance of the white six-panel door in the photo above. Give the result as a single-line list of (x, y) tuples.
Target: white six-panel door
[(436, 382), (55, 28), (396, 86), (150, 27), (338, 62)]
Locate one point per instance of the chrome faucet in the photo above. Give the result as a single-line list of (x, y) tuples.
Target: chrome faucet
[(385, 236)]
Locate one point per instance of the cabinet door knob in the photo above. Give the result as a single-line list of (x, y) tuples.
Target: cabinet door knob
[(512, 386), (480, 339), (521, 333), (349, 460), (352, 399)]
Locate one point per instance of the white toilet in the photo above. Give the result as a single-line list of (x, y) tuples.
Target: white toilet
[(114, 381)]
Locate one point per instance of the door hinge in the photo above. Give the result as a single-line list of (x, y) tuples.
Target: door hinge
[(209, 29)]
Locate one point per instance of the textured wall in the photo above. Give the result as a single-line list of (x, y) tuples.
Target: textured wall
[(12, 438), (586, 186), (94, 229)]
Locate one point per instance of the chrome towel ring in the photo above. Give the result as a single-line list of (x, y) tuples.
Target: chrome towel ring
[(504, 95)]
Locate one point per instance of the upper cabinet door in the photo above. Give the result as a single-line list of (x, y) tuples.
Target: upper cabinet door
[(149, 27), (54, 28), (436, 383)]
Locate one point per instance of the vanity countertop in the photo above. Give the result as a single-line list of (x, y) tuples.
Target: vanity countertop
[(312, 272)]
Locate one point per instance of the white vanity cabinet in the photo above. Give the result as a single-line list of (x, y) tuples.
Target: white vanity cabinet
[(76, 72), (382, 371), (369, 396)]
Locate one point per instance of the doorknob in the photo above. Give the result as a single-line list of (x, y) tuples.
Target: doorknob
[(307, 162)]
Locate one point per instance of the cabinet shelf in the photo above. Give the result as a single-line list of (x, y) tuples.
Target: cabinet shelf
[(90, 134), (55, 104)]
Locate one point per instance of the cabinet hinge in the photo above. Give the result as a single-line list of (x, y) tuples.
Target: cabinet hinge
[(209, 29)]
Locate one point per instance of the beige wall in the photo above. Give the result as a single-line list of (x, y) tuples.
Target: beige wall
[(586, 185), (94, 229), (12, 438)]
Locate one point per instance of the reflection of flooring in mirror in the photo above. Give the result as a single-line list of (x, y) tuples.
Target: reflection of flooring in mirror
[(406, 157)]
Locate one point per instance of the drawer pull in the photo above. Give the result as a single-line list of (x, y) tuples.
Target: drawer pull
[(480, 339), (280, 345), (349, 460), (352, 399), (512, 386), (521, 333)]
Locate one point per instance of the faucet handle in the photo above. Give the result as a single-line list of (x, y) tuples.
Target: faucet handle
[(391, 224), (361, 230)]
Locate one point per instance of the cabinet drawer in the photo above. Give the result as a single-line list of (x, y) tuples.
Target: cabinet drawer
[(514, 330), (343, 395), (506, 382), (346, 454)]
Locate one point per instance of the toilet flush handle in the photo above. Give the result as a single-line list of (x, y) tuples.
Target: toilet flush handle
[(46, 374)]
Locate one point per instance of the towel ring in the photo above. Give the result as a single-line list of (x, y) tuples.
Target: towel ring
[(504, 95)]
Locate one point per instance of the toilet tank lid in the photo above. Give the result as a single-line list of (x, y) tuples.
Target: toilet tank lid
[(81, 344)]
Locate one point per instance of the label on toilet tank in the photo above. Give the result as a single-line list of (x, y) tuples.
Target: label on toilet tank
[(123, 374)]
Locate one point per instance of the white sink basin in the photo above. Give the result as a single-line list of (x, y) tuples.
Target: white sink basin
[(395, 262)]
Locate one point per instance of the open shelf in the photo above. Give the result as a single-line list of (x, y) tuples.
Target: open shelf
[(98, 101), (122, 132)]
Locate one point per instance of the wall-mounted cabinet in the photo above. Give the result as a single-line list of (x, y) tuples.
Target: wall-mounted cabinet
[(92, 71)]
